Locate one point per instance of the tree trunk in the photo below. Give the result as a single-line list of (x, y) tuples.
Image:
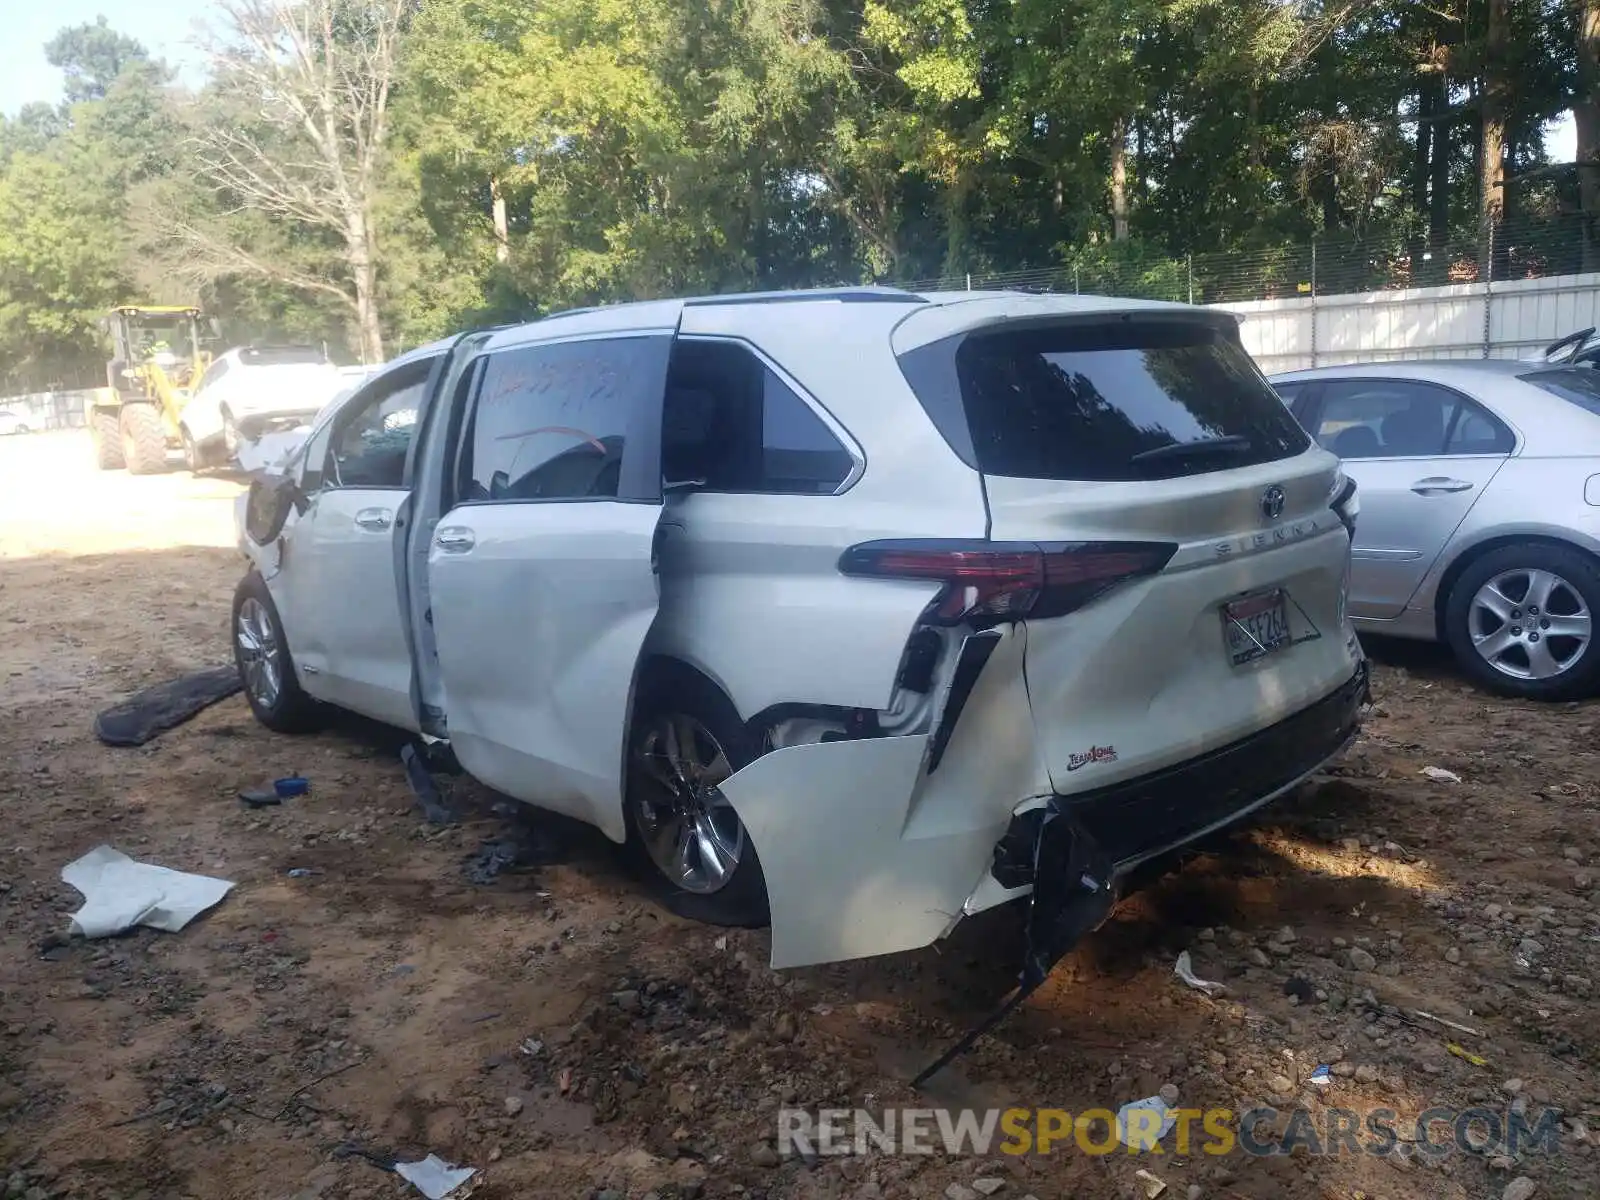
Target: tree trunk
[(1439, 185), (1491, 193), (364, 273), (1586, 117), (502, 233), (1119, 179)]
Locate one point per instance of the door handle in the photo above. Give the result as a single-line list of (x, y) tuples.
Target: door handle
[(1440, 483), (454, 540), (375, 519)]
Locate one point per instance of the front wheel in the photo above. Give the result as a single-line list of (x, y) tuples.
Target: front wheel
[(261, 654), (1521, 621), (144, 439), (686, 741), (194, 457)]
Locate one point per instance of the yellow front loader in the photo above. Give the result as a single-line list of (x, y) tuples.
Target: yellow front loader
[(156, 365)]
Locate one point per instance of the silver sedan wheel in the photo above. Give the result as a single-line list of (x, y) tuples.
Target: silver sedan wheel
[(260, 656), (1529, 623), (688, 827)]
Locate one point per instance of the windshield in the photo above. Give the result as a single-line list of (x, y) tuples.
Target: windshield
[(155, 335), (1576, 385)]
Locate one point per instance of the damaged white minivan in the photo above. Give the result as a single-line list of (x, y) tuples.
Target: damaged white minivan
[(855, 610)]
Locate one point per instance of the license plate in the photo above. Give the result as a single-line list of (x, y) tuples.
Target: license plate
[(1255, 626)]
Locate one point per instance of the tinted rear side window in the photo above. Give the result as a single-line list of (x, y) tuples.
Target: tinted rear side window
[(1576, 385), (1091, 402)]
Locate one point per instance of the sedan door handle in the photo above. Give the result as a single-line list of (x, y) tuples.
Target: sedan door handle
[(375, 519), (454, 540), (1440, 483)]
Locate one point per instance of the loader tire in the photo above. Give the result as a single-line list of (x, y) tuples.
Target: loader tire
[(144, 439), (107, 437)]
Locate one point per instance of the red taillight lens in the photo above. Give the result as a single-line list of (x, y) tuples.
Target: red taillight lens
[(997, 581)]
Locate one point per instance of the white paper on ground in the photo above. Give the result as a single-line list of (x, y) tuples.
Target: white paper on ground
[(119, 893), (434, 1177), (1144, 1132)]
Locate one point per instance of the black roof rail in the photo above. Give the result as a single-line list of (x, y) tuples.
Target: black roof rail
[(871, 294), (858, 295)]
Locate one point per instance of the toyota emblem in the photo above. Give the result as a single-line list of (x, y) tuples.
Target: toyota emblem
[(1272, 501)]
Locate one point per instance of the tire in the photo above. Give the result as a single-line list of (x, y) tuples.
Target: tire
[(107, 436), (686, 702), (261, 656), (194, 458), (1507, 644), (144, 439)]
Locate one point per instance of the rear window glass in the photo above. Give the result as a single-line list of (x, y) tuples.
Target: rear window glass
[(278, 356), (1133, 400), (1577, 385)]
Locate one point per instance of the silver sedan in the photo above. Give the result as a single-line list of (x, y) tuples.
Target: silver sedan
[(1479, 491)]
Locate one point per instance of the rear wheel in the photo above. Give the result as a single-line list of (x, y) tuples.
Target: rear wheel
[(1522, 622), (686, 740), (144, 439), (261, 654), (107, 435)]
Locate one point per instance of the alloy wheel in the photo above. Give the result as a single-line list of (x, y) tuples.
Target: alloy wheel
[(1529, 623), (260, 656), (686, 824)]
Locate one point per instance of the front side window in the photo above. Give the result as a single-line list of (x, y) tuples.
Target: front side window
[(552, 422), (371, 444)]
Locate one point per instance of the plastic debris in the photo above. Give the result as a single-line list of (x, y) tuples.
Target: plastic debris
[(435, 1178), (119, 893), (1440, 775), (300, 872), (1143, 1123), (275, 791), (1153, 1186), (1184, 970), (1468, 1055), (1322, 1077), (428, 798), (1456, 1025)]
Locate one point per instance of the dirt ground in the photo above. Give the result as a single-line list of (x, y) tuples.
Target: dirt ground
[(552, 1027)]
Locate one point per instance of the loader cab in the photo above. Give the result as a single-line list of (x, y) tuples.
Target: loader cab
[(146, 340)]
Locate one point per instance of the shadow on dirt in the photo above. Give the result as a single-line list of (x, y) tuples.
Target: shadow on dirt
[(1237, 880)]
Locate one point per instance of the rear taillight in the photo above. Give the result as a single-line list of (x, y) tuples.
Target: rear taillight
[(998, 581)]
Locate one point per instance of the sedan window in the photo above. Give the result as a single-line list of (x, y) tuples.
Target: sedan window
[(1389, 418)]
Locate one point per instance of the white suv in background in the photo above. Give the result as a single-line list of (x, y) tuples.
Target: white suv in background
[(853, 610), (250, 391)]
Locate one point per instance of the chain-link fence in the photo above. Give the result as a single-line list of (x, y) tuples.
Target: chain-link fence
[(1333, 264)]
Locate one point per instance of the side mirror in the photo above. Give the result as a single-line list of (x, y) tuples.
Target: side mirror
[(267, 508)]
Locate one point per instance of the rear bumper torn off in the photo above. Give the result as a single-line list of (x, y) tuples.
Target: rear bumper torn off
[(1138, 819)]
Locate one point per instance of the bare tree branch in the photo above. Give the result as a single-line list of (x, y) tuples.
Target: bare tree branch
[(308, 83)]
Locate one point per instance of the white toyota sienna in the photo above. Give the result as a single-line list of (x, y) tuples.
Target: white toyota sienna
[(853, 611)]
